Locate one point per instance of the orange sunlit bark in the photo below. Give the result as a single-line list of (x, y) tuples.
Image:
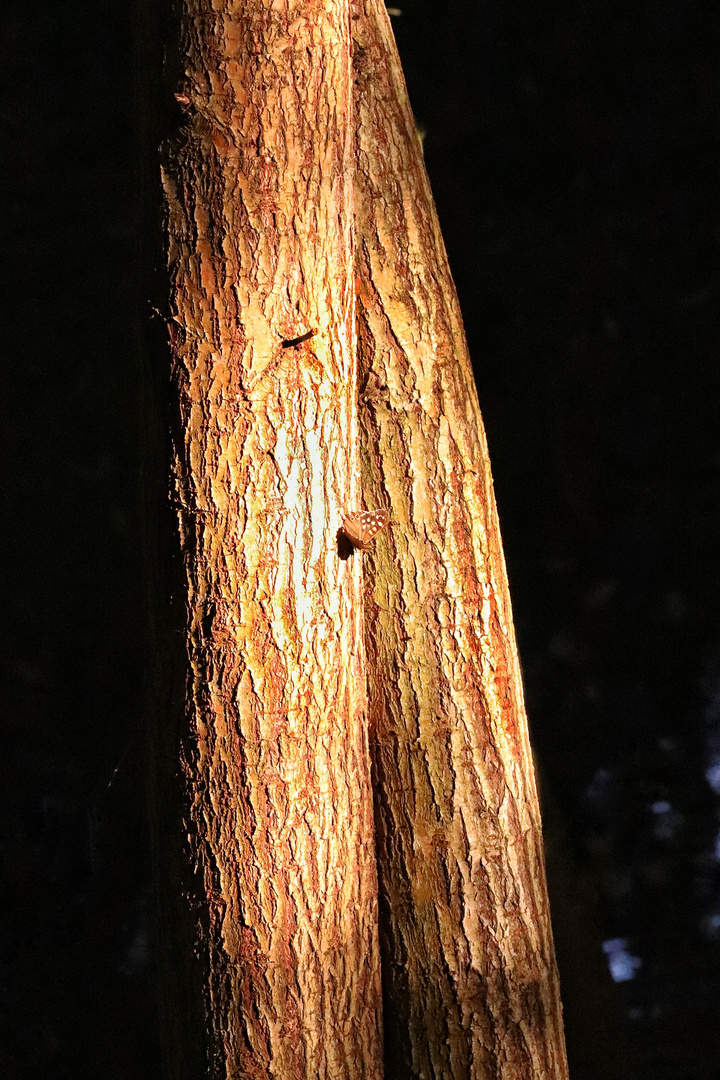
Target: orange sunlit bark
[(469, 975), (318, 349), (260, 219)]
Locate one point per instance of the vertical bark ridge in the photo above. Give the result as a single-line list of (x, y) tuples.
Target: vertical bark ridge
[(469, 979), (259, 193)]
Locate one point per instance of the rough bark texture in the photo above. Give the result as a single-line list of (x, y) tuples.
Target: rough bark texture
[(469, 979), (260, 220), (297, 219)]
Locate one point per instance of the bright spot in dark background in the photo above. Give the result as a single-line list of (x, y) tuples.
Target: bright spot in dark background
[(623, 965)]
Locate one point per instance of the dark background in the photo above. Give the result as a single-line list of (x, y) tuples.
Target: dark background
[(574, 156)]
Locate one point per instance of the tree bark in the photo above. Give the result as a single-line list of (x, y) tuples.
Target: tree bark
[(302, 243), (260, 223), (470, 985)]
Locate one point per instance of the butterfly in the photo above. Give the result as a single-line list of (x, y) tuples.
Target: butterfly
[(363, 526)]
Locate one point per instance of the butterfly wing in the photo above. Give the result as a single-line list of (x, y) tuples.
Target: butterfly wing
[(363, 526)]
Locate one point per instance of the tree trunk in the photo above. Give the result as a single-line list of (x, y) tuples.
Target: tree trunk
[(469, 979), (303, 243), (260, 220)]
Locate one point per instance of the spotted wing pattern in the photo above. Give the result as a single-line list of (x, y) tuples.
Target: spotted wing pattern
[(363, 526)]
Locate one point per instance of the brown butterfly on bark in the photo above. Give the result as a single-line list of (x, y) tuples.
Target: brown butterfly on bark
[(362, 527)]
